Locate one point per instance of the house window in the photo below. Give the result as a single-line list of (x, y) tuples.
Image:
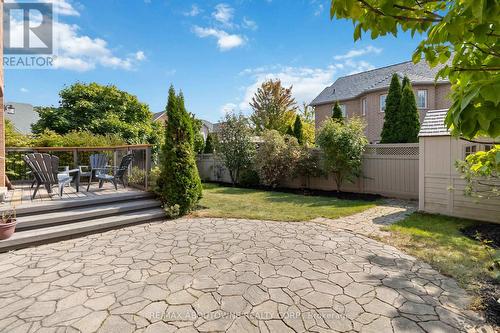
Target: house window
[(469, 150), (344, 110), (422, 99), (363, 107), (382, 102), (488, 147)]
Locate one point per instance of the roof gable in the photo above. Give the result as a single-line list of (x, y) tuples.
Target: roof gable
[(351, 86)]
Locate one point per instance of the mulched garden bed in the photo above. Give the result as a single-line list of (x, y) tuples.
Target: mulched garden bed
[(490, 289), (488, 231), (490, 293)]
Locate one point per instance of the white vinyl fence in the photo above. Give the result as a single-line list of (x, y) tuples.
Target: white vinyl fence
[(388, 169)]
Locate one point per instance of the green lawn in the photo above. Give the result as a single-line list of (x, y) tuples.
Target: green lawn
[(438, 241), (233, 202)]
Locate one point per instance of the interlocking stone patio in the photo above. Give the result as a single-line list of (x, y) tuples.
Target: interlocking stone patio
[(208, 275)]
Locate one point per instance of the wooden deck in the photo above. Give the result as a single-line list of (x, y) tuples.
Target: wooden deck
[(21, 196)]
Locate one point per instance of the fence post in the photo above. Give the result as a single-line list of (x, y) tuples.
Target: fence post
[(147, 167)]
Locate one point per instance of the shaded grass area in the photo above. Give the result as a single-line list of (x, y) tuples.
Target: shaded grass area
[(232, 202), (438, 241)]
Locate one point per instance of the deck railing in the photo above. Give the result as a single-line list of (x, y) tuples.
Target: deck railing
[(73, 157)]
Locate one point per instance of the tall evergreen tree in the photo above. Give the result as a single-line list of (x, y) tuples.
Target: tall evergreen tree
[(390, 131), (337, 112), (209, 144), (297, 130), (289, 131), (179, 183), (406, 81), (409, 120)]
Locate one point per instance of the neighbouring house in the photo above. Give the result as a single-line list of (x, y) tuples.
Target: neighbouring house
[(160, 116), (206, 126), (22, 116), (363, 94)]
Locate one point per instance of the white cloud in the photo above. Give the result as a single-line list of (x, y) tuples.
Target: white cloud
[(249, 24), (223, 13), (82, 53), (357, 66), (319, 10), (60, 7), (306, 82), (358, 52), (228, 107), (140, 56), (225, 41), (78, 52), (63, 7), (24, 90), (194, 11)]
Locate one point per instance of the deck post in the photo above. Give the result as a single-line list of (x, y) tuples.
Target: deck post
[(75, 157), (147, 167)]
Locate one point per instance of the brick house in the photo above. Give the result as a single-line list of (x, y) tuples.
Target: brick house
[(364, 94)]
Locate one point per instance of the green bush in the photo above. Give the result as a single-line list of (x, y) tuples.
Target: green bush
[(343, 145), (179, 183), (276, 157), (137, 176), (249, 178), (234, 145)]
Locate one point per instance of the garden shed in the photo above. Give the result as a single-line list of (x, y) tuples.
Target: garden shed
[(441, 188)]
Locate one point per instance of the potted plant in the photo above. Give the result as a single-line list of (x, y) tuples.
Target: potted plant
[(8, 223)]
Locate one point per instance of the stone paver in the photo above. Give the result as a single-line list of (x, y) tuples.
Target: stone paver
[(208, 275)]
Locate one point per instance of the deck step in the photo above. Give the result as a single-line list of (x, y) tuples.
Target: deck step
[(83, 213), (25, 238), (63, 204)]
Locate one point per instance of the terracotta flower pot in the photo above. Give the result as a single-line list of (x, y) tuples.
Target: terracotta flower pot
[(7, 229)]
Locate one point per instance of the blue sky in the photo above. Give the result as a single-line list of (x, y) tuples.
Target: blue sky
[(217, 52)]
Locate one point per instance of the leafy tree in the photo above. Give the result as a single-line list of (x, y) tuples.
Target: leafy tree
[(307, 113), (337, 112), (234, 144), (482, 173), (461, 35), (100, 110), (209, 144), (297, 130), (273, 107), (276, 157), (179, 183), (13, 138), (390, 130), (343, 145), (308, 126), (409, 118)]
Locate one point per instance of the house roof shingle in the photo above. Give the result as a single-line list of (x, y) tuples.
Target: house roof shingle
[(433, 124), (351, 86)]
